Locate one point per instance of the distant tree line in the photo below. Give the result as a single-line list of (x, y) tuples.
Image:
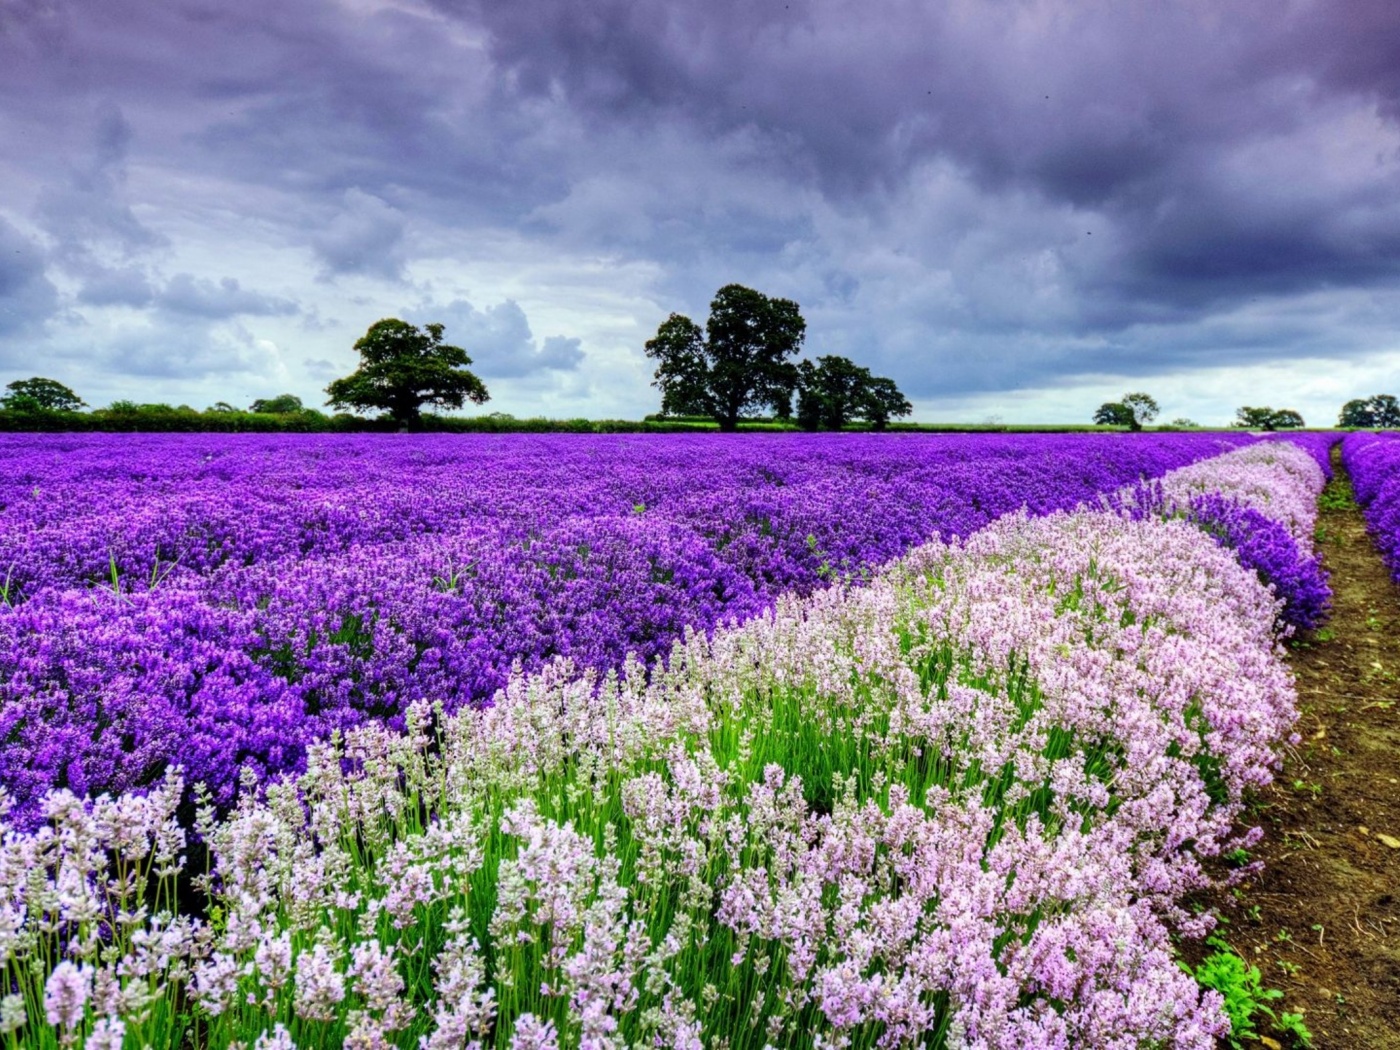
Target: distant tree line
[(1137, 409), (718, 376), (1265, 418), (739, 364)]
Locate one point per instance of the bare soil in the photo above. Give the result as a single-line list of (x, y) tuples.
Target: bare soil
[(1322, 921)]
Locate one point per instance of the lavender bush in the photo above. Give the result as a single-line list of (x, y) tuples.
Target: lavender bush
[(1267, 547), (957, 807), (225, 599), (1261, 502), (1373, 461)]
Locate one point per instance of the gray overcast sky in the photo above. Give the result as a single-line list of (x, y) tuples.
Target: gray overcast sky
[(1014, 209)]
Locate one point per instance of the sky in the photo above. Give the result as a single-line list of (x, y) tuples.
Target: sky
[(1016, 210)]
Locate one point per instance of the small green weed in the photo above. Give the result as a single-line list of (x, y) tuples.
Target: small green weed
[(1291, 1024), (1246, 997), (1336, 496)]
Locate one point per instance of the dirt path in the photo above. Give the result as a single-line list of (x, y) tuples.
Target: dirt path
[(1322, 923)]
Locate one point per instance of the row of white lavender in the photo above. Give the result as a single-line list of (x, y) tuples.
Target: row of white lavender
[(957, 807)]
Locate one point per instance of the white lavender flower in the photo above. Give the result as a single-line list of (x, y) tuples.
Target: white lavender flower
[(66, 993)]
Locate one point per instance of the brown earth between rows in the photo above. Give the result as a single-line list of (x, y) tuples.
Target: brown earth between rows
[(1322, 921)]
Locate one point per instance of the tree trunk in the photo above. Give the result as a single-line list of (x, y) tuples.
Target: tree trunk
[(405, 414)]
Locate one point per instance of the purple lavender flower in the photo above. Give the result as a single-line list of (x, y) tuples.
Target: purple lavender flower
[(1267, 547), (222, 600)]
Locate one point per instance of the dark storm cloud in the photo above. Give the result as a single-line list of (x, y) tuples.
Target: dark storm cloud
[(1134, 112), (318, 100), (1353, 46), (500, 342), (967, 195)]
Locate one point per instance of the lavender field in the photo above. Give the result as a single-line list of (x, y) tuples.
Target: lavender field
[(227, 599), (947, 729)]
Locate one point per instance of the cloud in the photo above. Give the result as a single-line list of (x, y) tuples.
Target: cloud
[(364, 237), (966, 196), (1196, 137), (87, 212), (182, 295), (117, 286), (320, 368), (500, 342), (187, 294), (183, 349), (27, 297)]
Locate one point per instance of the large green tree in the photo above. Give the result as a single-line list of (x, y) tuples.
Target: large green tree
[(833, 391), (1114, 414), (883, 401), (40, 395), (1132, 411), (1266, 418), (737, 364), (402, 368), (1380, 410)]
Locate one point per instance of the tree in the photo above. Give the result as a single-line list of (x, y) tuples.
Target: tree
[(1386, 409), (829, 391), (281, 405), (1381, 411), (403, 368), (40, 395), (883, 401), (1357, 413), (683, 372), (1114, 414), (833, 391), (1143, 407), (736, 365), (1267, 418), (1132, 411)]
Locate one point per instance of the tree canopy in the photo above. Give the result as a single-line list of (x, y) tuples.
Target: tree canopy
[(1113, 414), (1266, 418), (40, 395), (833, 391), (402, 368), (1132, 411), (282, 404), (1381, 411), (737, 364)]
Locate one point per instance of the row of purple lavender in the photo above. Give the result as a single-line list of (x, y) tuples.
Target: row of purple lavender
[(1373, 462), (960, 806), (225, 599)]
